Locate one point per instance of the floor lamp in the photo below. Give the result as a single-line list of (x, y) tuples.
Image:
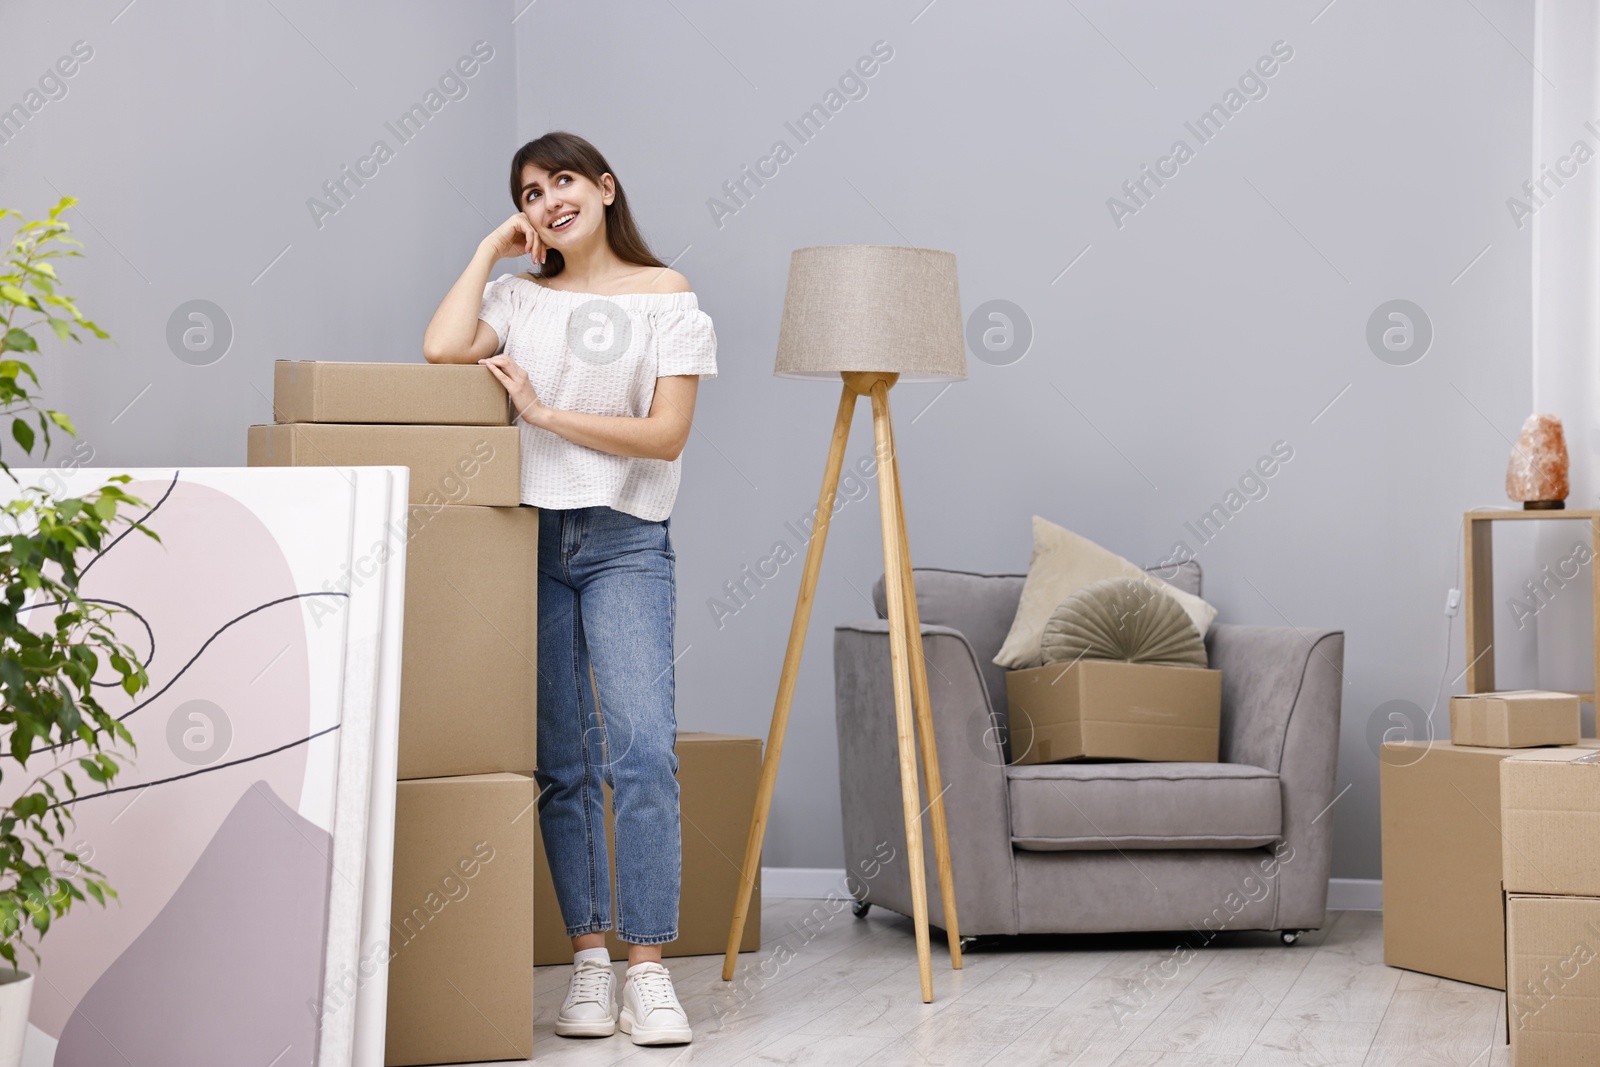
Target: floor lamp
[(871, 315)]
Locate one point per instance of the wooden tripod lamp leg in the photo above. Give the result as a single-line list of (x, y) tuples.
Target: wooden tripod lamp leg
[(791, 671), (924, 712), (899, 656)]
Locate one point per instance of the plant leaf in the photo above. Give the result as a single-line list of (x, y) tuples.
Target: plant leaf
[(23, 434), (19, 340)]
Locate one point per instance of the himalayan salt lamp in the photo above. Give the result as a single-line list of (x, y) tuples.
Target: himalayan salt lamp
[(1537, 474)]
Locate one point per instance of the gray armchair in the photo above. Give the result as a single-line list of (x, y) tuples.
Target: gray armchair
[(1241, 844)]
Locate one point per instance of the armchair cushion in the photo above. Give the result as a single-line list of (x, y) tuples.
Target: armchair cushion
[(1085, 806)]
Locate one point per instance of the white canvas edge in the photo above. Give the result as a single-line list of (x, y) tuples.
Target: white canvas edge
[(358, 715), (372, 998)]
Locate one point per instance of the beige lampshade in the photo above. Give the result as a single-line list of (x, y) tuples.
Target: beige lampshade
[(872, 308)]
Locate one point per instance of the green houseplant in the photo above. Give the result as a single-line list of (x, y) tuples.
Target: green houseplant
[(48, 708)]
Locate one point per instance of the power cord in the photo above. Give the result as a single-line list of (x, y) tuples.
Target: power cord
[(1452, 607)]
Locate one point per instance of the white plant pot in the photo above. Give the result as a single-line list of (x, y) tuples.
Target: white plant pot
[(16, 993)]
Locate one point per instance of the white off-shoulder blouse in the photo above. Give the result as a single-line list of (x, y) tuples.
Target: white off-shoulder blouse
[(601, 355)]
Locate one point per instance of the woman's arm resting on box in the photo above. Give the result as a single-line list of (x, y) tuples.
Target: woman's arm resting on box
[(456, 334), (658, 435)]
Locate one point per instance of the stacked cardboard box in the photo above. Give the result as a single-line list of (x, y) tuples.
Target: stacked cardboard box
[(1442, 907), (1522, 718), (1550, 823), (717, 779), (461, 925), (461, 966)]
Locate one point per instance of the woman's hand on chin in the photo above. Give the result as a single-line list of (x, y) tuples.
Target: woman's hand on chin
[(524, 399)]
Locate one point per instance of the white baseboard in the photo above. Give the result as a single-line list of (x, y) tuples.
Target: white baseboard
[(816, 883)]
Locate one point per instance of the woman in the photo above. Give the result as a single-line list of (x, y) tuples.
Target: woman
[(601, 353)]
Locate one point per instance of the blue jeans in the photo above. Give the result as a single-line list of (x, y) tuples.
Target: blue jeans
[(608, 599)]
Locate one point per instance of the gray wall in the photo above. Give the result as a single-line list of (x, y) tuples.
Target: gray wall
[(1226, 314)]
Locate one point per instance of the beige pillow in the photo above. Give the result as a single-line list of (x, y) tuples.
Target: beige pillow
[(1063, 563)]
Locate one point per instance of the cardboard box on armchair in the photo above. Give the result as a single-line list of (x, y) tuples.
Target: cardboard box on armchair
[(1108, 709)]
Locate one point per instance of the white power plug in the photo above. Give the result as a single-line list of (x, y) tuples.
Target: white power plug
[(1452, 603)]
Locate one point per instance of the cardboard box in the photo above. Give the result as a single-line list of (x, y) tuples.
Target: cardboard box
[(449, 464), (461, 928), (1553, 995), (1114, 710), (463, 394), (1440, 817), (1550, 818), (717, 779), (1520, 718), (469, 676)]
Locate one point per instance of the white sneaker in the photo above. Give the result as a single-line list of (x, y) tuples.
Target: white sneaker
[(590, 1009), (651, 1014)]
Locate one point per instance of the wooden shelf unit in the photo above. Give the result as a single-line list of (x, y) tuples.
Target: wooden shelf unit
[(1478, 529)]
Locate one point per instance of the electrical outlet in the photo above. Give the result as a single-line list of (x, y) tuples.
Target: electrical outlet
[(1452, 603)]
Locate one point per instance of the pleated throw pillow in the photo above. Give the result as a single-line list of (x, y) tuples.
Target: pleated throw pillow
[(1063, 563), (1125, 619)]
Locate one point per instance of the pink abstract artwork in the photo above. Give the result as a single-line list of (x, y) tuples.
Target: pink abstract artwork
[(218, 834)]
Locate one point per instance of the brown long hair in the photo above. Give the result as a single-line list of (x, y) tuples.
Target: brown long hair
[(559, 150)]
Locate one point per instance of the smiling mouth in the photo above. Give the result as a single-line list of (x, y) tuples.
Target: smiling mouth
[(564, 221)]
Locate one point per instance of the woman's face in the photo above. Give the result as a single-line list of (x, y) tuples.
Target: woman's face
[(567, 208)]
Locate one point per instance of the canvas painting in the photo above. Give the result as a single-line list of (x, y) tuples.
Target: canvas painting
[(250, 838)]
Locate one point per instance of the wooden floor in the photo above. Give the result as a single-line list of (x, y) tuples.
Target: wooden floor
[(844, 991)]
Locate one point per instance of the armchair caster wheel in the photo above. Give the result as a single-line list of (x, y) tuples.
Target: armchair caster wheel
[(1289, 936), (859, 908)]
